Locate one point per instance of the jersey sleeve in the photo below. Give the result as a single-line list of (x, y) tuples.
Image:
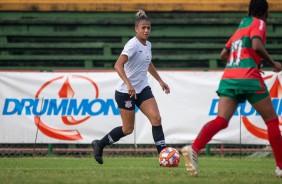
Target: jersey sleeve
[(258, 29), (129, 48)]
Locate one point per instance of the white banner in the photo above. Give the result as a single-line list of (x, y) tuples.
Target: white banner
[(80, 107)]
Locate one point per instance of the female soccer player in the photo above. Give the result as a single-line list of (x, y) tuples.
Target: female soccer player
[(132, 67), (242, 81)]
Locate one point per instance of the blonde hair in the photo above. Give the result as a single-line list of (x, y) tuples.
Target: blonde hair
[(140, 17)]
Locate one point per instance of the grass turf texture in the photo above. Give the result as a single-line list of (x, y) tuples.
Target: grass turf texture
[(134, 170)]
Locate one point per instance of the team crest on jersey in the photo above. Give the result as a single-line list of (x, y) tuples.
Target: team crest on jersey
[(128, 104)]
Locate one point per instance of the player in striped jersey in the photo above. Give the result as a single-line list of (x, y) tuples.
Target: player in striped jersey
[(242, 81)]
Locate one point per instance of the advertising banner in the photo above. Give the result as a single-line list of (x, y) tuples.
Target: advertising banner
[(80, 107)]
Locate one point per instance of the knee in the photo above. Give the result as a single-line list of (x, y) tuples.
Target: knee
[(156, 120), (127, 130)]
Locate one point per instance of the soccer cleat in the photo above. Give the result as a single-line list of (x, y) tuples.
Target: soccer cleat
[(278, 172), (98, 151), (191, 160)]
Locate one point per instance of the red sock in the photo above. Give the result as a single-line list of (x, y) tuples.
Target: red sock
[(275, 140), (208, 131)]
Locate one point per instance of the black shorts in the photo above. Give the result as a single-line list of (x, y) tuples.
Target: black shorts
[(125, 102)]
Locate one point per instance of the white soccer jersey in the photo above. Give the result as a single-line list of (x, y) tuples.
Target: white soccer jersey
[(136, 68)]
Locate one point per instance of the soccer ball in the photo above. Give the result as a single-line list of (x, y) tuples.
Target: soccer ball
[(169, 157)]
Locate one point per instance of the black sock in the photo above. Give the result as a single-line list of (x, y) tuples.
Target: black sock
[(159, 138), (113, 136)]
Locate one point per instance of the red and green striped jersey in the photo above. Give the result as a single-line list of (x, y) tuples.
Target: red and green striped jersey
[(240, 43), (241, 68)]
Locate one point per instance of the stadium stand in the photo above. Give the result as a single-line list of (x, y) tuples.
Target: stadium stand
[(53, 35), (132, 5)]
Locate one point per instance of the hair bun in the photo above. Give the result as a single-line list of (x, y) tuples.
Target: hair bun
[(140, 13)]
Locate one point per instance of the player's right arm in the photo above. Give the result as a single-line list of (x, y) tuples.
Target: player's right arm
[(260, 50), (119, 67), (258, 37)]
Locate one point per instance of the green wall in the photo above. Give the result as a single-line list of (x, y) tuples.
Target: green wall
[(49, 41)]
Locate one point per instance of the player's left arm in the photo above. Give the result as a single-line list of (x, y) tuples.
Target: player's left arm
[(152, 70), (224, 55)]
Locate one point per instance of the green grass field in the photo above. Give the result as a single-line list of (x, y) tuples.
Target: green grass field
[(135, 170)]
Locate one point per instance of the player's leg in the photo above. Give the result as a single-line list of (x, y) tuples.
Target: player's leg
[(148, 105), (151, 111), (115, 134), (266, 110), (226, 109), (127, 112)]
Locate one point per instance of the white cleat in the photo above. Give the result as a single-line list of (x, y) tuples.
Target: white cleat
[(278, 172), (191, 160)]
